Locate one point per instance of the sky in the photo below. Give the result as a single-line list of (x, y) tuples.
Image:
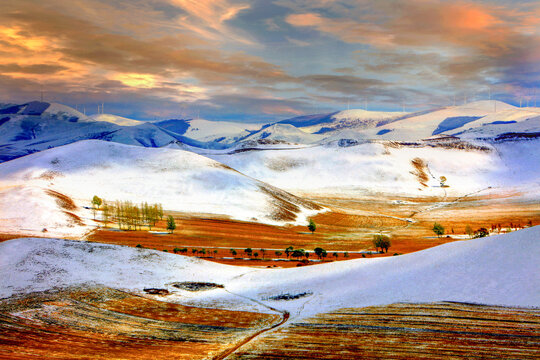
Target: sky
[(264, 60)]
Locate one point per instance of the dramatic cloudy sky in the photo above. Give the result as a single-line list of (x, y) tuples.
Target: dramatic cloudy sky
[(266, 59)]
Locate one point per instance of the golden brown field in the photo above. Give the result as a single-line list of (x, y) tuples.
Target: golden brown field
[(348, 226), (103, 323), (406, 331)]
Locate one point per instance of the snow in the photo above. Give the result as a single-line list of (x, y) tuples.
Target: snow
[(351, 119), (60, 125), (206, 130), (180, 180), (515, 123), (424, 126), (497, 270), (372, 167), (115, 119), (59, 109), (284, 133)]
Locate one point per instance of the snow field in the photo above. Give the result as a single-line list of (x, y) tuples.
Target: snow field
[(497, 270)]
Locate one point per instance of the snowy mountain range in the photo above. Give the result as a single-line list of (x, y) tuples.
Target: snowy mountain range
[(35, 126)]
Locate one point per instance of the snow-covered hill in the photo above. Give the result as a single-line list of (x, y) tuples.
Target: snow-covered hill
[(347, 119), (205, 131), (115, 119), (443, 121), (394, 168), (284, 133), (497, 270), (36, 126), (180, 180)]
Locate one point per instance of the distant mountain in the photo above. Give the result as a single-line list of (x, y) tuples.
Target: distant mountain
[(36, 126), (285, 133), (222, 133), (447, 120), (114, 119), (348, 119)]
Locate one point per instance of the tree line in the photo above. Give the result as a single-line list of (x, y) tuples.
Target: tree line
[(128, 215)]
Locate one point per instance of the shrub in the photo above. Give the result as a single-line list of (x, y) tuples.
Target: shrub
[(438, 229), (312, 226), (171, 224), (480, 233), (381, 241)]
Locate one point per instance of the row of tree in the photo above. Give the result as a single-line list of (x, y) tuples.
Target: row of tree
[(128, 215), (289, 252), (439, 230)]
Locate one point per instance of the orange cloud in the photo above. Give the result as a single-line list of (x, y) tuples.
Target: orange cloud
[(489, 29), (346, 29), (280, 109), (469, 17), (208, 18)]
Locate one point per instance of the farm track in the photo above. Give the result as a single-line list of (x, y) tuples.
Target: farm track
[(232, 350)]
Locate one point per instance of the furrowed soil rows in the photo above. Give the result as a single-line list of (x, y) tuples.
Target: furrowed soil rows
[(102, 323), (405, 331)]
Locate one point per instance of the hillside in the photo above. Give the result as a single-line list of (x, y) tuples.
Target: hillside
[(205, 131), (347, 119), (52, 187), (115, 119), (283, 133), (446, 120), (391, 168), (35, 126), (480, 271)]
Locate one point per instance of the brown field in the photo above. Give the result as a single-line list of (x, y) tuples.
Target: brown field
[(348, 227), (102, 323), (405, 331)]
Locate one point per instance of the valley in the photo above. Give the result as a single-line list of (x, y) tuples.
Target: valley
[(240, 274)]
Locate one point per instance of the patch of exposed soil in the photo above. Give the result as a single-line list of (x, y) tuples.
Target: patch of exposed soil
[(288, 297), (74, 219), (50, 175), (197, 286), (65, 202), (286, 205), (284, 164), (156, 291), (419, 171)]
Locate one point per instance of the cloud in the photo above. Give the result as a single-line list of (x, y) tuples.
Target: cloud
[(81, 47), (208, 18), (345, 84), (31, 69), (237, 58), (460, 43)]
